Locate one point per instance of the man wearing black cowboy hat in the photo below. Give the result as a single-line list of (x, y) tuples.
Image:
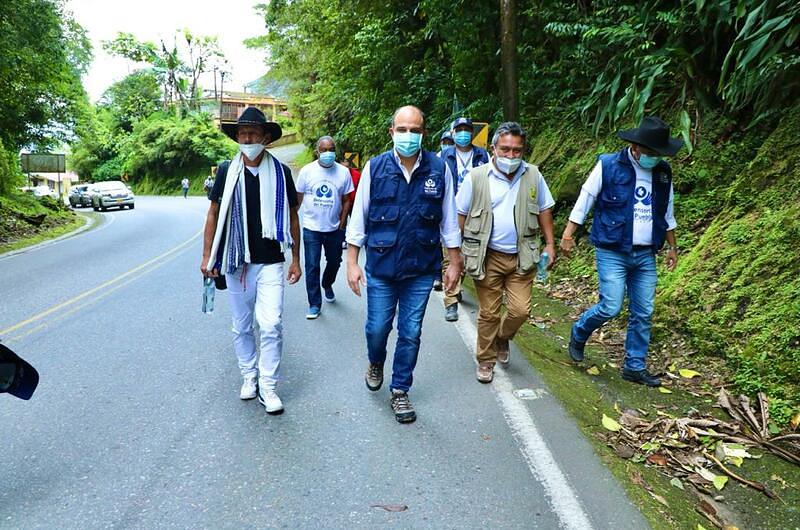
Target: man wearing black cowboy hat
[(631, 192), (252, 221)]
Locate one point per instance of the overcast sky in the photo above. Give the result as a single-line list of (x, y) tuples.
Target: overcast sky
[(232, 21)]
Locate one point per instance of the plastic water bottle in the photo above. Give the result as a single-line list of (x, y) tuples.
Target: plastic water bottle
[(208, 295), (541, 275)]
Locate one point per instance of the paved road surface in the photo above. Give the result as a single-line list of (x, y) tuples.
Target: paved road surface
[(137, 421)]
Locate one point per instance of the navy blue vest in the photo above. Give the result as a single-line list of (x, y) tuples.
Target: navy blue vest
[(479, 158), (403, 219), (612, 227)]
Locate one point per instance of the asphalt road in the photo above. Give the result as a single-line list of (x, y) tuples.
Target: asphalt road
[(137, 422)]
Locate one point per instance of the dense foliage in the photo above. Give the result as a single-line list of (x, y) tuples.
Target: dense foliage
[(351, 62), (726, 74), (43, 53)]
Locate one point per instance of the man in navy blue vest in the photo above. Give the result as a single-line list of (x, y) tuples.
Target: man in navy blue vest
[(403, 211), (460, 158), (631, 192)]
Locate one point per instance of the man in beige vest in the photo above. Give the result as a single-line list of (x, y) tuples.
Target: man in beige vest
[(503, 209)]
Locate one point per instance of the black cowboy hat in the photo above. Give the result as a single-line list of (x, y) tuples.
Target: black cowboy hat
[(253, 116), (17, 377), (653, 133)]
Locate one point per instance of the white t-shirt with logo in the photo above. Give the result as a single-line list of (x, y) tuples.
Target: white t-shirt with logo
[(642, 202), (322, 189)]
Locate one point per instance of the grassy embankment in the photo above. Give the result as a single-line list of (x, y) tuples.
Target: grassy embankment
[(730, 311), (26, 220)]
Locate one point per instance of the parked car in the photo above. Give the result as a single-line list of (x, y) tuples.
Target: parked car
[(40, 191), (110, 194), (79, 196)]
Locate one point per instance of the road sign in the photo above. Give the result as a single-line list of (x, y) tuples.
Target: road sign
[(43, 163), (353, 158), (480, 135)]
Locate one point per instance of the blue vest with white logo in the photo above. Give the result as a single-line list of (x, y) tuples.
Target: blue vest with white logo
[(479, 158), (403, 218), (612, 227)]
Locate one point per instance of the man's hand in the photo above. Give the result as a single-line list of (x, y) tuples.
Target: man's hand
[(551, 255), (355, 277), (566, 246), (294, 272), (208, 273), (672, 259), (452, 275)]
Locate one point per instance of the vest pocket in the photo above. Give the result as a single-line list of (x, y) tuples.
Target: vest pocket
[(612, 229), (431, 214), (384, 214), (473, 222), (383, 189), (471, 249), (533, 217)]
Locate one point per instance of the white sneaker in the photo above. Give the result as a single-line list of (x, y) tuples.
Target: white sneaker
[(249, 388), (272, 403)]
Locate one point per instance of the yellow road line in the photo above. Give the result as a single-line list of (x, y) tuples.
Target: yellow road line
[(90, 292)]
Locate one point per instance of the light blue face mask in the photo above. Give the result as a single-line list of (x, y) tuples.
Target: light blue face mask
[(462, 138), (407, 143), (327, 158), (647, 161)]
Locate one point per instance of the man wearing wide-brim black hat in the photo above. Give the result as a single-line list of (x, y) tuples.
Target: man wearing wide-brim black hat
[(631, 192), (252, 221)]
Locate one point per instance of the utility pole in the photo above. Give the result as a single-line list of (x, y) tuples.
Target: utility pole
[(221, 93), (508, 60)]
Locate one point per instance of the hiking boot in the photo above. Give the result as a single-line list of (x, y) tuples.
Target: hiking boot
[(313, 312), (272, 403), (402, 407), (642, 377), (374, 377), (451, 312), (575, 348), (437, 285), (485, 372), (330, 297), (249, 388), (503, 353)]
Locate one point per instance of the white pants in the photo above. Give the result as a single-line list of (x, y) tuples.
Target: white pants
[(257, 289)]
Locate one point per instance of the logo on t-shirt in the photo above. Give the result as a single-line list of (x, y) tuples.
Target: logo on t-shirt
[(643, 196), (323, 195)]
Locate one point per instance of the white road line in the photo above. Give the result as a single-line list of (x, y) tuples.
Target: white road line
[(541, 462)]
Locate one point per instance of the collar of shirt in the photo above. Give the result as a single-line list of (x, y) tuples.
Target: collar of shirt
[(407, 174)]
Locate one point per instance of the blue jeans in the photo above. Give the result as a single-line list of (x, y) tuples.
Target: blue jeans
[(618, 271), (313, 243), (384, 297)]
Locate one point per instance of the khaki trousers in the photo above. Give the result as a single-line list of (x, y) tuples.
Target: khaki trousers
[(450, 297), (501, 276)]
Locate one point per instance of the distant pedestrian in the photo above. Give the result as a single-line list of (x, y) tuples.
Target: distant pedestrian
[(404, 207), (208, 184), (504, 207), (460, 158), (252, 221), (631, 192), (323, 192), (185, 186)]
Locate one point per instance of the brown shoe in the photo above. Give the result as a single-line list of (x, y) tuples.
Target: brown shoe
[(501, 345), (485, 372)]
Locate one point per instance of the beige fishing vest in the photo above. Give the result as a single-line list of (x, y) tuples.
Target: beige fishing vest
[(478, 223)]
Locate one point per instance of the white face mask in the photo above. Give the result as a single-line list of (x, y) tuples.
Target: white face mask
[(507, 165), (251, 151)]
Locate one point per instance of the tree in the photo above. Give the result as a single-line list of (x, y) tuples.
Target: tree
[(178, 68), (133, 98)]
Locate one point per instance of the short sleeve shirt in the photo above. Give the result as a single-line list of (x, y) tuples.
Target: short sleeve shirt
[(262, 250), (323, 189)]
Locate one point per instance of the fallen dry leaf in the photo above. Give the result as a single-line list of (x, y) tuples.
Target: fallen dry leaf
[(611, 424), (664, 390), (657, 459), (688, 374), (795, 421), (593, 370)]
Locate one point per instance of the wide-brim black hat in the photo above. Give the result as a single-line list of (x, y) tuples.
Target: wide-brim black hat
[(653, 133), (253, 116), (25, 377)]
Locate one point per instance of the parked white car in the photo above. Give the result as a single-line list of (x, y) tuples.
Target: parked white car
[(111, 194)]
